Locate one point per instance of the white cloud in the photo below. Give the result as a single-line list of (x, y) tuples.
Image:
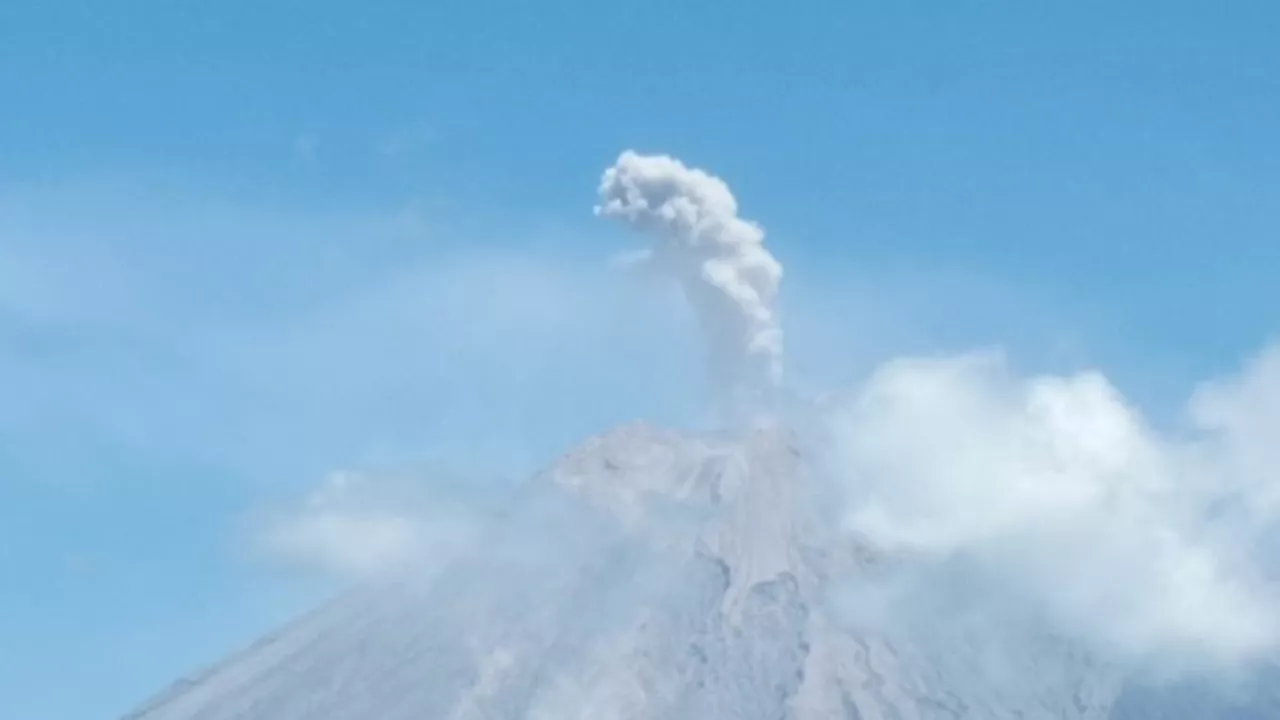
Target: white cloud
[(1240, 419), (1144, 543)]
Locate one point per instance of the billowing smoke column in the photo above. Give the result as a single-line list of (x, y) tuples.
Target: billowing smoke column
[(720, 262)]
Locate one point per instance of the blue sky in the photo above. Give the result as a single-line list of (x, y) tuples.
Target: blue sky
[(244, 244)]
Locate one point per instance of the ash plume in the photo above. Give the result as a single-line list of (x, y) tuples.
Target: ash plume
[(718, 259)]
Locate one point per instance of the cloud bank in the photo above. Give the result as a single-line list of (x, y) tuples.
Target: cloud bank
[(1146, 544), (719, 260)]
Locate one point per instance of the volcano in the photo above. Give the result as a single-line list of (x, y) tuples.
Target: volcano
[(655, 574)]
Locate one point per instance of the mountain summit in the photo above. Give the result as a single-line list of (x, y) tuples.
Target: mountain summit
[(653, 574)]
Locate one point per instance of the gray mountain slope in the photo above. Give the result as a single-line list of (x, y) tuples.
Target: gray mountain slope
[(651, 574)]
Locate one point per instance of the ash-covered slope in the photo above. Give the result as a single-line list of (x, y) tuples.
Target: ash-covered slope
[(649, 574)]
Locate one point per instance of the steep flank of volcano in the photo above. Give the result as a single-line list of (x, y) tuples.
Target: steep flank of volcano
[(648, 574)]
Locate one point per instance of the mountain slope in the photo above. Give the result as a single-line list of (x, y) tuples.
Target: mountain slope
[(650, 574)]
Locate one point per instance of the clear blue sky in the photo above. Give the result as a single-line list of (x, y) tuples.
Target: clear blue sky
[(243, 244)]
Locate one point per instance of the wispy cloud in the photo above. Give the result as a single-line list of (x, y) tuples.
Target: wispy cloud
[(360, 527), (279, 345), (406, 141), (306, 145)]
